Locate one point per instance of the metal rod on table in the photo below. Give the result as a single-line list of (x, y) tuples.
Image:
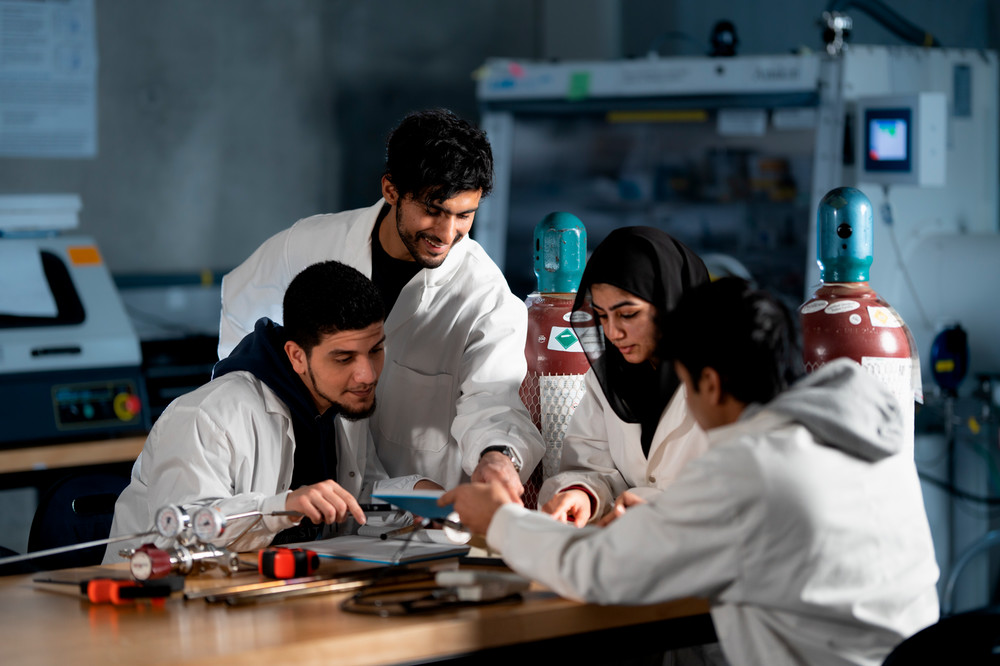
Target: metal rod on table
[(269, 591), (70, 548)]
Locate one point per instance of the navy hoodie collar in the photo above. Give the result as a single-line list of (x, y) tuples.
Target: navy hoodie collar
[(262, 354)]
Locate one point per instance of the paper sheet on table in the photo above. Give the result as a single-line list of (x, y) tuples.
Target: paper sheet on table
[(24, 289)]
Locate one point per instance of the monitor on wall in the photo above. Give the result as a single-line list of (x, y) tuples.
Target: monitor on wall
[(888, 140), (902, 139)]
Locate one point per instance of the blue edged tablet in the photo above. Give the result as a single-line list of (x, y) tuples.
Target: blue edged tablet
[(421, 503)]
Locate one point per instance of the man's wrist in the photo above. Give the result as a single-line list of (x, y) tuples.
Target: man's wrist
[(515, 457)]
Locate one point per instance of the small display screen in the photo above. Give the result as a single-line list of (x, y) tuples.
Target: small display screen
[(888, 140)]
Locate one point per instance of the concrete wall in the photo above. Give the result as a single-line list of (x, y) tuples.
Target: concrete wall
[(222, 122)]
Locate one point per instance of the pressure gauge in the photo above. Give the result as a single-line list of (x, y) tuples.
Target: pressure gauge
[(149, 562), (141, 565), (171, 521), (209, 523)]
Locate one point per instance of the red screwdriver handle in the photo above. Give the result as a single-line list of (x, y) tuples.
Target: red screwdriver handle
[(280, 562)]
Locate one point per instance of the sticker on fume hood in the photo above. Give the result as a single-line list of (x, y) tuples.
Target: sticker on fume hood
[(84, 255), (579, 86)]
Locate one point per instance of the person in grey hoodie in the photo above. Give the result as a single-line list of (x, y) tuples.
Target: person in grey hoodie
[(802, 524)]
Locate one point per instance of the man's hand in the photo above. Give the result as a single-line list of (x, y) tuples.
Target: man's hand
[(569, 506), (324, 502), (496, 467), (476, 503), (624, 501)]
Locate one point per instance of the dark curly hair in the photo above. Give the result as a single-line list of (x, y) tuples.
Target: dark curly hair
[(434, 155), (326, 298), (746, 335)]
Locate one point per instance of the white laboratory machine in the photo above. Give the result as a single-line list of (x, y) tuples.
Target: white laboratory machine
[(70, 361)]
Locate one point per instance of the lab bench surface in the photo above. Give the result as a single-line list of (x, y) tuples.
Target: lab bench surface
[(74, 454), (41, 626)]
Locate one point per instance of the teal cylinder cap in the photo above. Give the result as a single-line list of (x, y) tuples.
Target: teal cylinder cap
[(560, 253), (845, 234)]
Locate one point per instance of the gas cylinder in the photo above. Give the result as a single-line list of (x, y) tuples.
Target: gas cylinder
[(846, 317), (553, 385)]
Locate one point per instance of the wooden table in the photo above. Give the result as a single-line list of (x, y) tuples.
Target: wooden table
[(74, 454), (43, 627)]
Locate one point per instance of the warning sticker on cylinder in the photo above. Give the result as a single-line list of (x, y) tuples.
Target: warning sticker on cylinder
[(591, 339), (814, 306), (842, 306), (566, 339), (563, 339), (881, 316)]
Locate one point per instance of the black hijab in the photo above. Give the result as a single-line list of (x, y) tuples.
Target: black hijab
[(659, 269)]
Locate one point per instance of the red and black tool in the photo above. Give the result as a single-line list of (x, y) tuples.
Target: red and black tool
[(115, 591), (119, 592), (280, 562)]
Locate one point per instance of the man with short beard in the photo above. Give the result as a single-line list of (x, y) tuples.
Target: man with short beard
[(455, 334), (282, 426)]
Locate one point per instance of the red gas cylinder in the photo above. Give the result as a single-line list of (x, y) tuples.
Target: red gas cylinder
[(850, 319), (846, 317), (556, 366), (553, 385)]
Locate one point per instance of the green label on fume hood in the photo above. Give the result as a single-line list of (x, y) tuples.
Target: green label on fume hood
[(579, 85)]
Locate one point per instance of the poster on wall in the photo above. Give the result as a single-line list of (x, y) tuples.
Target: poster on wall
[(48, 79)]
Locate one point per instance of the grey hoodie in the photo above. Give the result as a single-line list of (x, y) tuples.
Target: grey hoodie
[(844, 407)]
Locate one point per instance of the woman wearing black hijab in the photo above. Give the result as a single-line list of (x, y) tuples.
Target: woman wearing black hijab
[(632, 429)]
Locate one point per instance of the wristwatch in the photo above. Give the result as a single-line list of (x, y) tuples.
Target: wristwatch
[(514, 456)]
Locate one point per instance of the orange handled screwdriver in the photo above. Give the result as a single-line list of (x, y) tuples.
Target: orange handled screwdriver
[(119, 592)]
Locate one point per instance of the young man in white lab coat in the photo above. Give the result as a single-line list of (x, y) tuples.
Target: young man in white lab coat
[(802, 524), (455, 333), (280, 428)]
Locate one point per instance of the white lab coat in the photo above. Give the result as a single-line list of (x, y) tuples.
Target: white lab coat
[(808, 555), (603, 454), (231, 444), (454, 346)]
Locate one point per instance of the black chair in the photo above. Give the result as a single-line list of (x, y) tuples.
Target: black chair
[(969, 639), (76, 509)]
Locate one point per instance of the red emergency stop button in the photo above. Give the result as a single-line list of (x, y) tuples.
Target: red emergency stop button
[(127, 406)]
